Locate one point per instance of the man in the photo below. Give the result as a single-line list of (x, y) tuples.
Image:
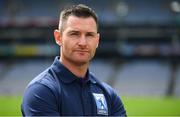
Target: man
[(67, 88)]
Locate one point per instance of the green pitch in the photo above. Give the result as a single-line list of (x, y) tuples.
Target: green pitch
[(152, 106), (135, 106), (10, 106)]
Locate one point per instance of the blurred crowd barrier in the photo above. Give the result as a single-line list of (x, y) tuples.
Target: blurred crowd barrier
[(131, 32)]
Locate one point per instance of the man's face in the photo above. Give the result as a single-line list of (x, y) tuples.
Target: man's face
[(79, 40)]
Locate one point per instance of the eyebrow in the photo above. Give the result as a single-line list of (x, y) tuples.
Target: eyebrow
[(76, 31), (73, 31)]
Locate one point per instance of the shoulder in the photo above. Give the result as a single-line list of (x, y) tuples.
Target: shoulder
[(40, 97), (45, 80), (111, 92), (42, 89), (107, 88)]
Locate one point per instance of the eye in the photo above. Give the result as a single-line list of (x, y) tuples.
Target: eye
[(74, 34), (91, 35)]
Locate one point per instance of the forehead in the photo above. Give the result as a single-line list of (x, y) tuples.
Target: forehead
[(81, 23)]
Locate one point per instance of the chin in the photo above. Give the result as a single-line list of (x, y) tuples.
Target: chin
[(82, 61)]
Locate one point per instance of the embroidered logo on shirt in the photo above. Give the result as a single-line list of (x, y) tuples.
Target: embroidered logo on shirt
[(101, 104)]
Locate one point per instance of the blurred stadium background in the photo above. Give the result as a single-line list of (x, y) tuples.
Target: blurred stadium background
[(139, 52)]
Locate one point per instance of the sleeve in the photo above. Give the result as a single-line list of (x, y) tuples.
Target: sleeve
[(117, 107), (39, 100)]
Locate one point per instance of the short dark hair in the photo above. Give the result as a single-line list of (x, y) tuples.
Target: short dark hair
[(79, 10)]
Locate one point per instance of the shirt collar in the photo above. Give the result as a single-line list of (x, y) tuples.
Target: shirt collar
[(65, 75)]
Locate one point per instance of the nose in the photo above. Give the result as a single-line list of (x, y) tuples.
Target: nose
[(82, 41)]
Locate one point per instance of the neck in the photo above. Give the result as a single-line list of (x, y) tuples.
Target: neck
[(77, 69)]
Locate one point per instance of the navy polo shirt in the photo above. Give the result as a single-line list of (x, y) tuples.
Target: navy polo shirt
[(58, 92)]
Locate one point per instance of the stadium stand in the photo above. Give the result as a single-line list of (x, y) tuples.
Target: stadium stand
[(139, 49)]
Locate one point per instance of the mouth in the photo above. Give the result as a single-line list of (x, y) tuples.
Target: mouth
[(81, 51)]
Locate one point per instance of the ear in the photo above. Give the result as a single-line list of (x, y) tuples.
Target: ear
[(57, 37), (98, 37)]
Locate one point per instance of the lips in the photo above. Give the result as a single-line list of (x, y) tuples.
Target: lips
[(81, 50)]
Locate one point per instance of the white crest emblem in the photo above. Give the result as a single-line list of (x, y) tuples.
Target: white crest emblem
[(101, 104)]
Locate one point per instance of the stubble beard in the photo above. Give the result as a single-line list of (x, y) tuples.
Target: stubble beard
[(75, 62)]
